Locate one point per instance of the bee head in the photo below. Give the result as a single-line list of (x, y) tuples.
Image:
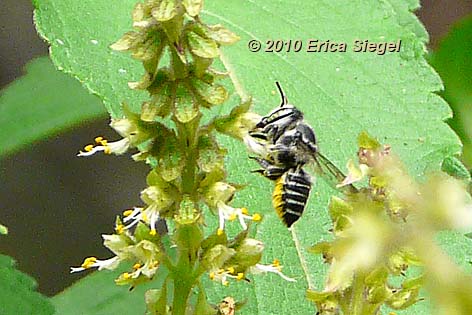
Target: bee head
[(285, 114), (284, 110)]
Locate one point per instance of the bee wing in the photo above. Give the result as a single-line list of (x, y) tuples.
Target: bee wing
[(331, 173)]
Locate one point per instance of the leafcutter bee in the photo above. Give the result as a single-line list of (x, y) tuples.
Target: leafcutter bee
[(285, 143)]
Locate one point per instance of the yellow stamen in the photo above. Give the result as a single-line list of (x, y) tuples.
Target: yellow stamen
[(128, 212), (88, 262), (212, 275), (231, 270), (232, 217), (256, 217), (120, 228), (145, 217), (221, 270), (244, 211), (98, 139), (88, 148), (152, 232), (226, 283), (276, 263), (136, 266), (155, 264), (126, 276), (240, 276), (107, 150), (104, 142), (219, 232)]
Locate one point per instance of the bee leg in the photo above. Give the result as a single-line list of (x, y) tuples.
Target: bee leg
[(264, 163), (272, 173), (262, 172), (258, 135), (268, 170)]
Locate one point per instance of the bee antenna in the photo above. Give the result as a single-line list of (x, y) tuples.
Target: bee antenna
[(282, 94)]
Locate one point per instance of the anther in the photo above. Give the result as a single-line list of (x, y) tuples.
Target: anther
[(256, 217), (128, 212)]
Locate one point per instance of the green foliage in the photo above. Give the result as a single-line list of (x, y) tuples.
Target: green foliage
[(41, 103), (97, 295), (453, 62), (454, 167), (17, 295), (392, 96)]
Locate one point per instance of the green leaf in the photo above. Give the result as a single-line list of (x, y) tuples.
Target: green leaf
[(165, 11), (97, 294), (222, 35), (453, 62), (17, 295), (452, 166), (391, 96), (41, 103), (193, 7), (202, 47)]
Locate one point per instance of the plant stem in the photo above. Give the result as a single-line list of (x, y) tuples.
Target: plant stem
[(179, 68), (181, 295), (357, 297), (183, 273), (184, 280)]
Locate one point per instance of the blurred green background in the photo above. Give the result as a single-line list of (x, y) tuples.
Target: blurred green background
[(49, 217)]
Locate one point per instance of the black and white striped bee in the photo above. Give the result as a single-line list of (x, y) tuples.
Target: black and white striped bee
[(285, 143)]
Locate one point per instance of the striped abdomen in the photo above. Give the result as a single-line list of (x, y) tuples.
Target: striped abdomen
[(291, 194)]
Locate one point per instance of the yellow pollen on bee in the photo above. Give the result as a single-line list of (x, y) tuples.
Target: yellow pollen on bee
[(120, 228), (107, 150), (240, 276), (126, 275), (232, 217), (212, 275), (256, 217), (98, 139), (88, 147), (231, 270), (136, 266), (276, 263), (128, 212), (219, 232), (152, 232), (244, 211), (88, 262)]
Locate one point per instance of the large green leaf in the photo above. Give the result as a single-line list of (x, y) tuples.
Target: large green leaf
[(97, 294), (17, 295), (393, 96), (42, 102), (453, 61)]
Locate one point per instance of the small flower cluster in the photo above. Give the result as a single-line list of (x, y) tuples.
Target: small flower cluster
[(379, 234), (235, 259), (140, 248)]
